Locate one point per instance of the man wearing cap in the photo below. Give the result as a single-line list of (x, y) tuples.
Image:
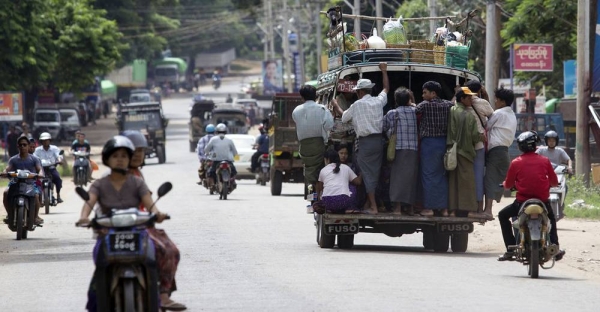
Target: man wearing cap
[(313, 123), (433, 129), (462, 129), (366, 115)]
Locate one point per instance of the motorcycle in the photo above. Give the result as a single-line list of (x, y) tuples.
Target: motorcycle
[(225, 182), (558, 193), (216, 83), (21, 210), (81, 166), (262, 176), (533, 240), (126, 276), (47, 194), (203, 174)]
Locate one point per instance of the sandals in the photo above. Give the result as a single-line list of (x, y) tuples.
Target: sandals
[(559, 255), (507, 256), (173, 306)]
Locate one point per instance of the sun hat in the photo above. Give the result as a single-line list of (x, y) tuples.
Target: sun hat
[(363, 84), (468, 91)]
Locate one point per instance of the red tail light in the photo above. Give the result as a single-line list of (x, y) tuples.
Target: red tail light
[(224, 165), (265, 156)]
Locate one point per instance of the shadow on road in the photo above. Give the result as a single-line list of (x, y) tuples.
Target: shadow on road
[(47, 257), (414, 250)]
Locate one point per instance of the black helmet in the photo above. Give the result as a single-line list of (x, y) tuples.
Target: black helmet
[(527, 141), (550, 134), (136, 137), (115, 143)]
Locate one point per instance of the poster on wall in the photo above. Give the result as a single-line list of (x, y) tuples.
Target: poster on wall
[(11, 106), (272, 72)]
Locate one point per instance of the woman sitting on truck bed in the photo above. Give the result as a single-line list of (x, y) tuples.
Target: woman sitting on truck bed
[(332, 187)]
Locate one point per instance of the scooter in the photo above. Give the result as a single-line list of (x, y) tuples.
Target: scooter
[(558, 193), (262, 176), (225, 182), (203, 174), (47, 195), (81, 167), (126, 276), (21, 211), (533, 247)]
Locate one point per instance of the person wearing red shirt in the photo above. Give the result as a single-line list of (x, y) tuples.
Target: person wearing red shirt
[(532, 175)]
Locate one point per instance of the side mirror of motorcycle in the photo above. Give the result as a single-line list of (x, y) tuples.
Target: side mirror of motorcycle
[(82, 193), (164, 189), (62, 152)]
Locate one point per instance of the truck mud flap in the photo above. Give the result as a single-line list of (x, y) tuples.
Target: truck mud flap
[(450, 228), (341, 227)]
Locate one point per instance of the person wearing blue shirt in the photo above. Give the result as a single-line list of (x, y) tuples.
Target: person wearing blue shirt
[(262, 147)]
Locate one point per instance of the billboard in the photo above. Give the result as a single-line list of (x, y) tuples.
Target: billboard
[(533, 57), (596, 60), (11, 106), (570, 78), (272, 73)]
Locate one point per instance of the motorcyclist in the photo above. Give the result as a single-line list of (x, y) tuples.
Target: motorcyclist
[(229, 99), (51, 154), (24, 161), (116, 154), (210, 133), (557, 156), (532, 175), (82, 145), (262, 147), (167, 252), (221, 148)]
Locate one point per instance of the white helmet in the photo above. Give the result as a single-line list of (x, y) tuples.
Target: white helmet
[(45, 136), (221, 128)]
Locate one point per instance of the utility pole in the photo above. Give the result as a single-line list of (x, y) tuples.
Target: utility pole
[(379, 13), (286, 48), (432, 4), (319, 36), (492, 40), (270, 30), (356, 11), (582, 147), (300, 46)]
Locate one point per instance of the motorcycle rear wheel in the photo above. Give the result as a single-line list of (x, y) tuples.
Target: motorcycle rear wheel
[(534, 260), (225, 190), (129, 295)]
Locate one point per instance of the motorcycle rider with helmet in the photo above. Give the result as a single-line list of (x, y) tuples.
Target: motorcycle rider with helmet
[(532, 175), (117, 190), (50, 153), (557, 155), (167, 253), (262, 147), (210, 133), (223, 149), (82, 145)]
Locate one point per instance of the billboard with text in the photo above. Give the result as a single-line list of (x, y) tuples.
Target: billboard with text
[(533, 57)]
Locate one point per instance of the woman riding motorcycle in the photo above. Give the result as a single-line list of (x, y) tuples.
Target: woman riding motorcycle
[(167, 254), (118, 190)]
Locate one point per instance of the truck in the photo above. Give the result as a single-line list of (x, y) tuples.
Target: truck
[(284, 147), (148, 118), (215, 60), (171, 70), (129, 77), (409, 68)]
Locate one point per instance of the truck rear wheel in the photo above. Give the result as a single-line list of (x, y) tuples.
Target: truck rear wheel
[(161, 154), (460, 242), (276, 182), (325, 240), (345, 241), (441, 242)]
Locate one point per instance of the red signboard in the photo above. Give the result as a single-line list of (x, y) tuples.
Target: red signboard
[(533, 57)]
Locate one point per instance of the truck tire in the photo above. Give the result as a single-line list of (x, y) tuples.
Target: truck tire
[(276, 182), (459, 242), (441, 242), (345, 241), (161, 154), (192, 147), (325, 241), (428, 239)]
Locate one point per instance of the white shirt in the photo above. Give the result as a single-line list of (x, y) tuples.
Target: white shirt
[(312, 121), (336, 183), (366, 114), (223, 149), (501, 127), (51, 154)]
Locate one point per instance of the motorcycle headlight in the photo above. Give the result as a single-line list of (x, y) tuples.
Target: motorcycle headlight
[(123, 220)]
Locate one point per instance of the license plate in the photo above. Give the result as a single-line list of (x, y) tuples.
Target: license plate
[(341, 228), (127, 241), (455, 227), (265, 164)]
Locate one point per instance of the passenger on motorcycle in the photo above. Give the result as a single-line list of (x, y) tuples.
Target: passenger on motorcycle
[(262, 147), (556, 155), (532, 175), (167, 254), (220, 148), (210, 133), (32, 146), (82, 145), (24, 161), (50, 153), (118, 190)]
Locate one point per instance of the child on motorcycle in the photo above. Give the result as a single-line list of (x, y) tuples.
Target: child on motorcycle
[(532, 175)]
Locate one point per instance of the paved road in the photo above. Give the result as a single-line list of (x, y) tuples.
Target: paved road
[(255, 252)]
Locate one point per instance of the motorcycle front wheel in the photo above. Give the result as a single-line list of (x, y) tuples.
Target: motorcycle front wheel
[(20, 223), (47, 199)]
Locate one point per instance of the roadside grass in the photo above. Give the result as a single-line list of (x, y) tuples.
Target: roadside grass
[(590, 208), (3, 182)]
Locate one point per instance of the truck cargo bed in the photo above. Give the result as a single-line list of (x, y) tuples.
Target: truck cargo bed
[(400, 218)]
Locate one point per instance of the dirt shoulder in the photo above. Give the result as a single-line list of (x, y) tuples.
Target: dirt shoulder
[(580, 239)]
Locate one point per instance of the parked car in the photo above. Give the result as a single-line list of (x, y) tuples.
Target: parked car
[(47, 120), (69, 120), (243, 144)]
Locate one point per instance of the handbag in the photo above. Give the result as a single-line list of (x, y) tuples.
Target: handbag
[(450, 158), (391, 149)]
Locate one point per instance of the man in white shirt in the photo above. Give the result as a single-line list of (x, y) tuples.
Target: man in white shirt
[(313, 123), (366, 115), (501, 129), (220, 148), (50, 153)]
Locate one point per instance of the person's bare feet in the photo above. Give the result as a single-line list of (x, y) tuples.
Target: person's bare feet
[(426, 213)]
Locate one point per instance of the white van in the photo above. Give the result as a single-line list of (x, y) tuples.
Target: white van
[(49, 119)]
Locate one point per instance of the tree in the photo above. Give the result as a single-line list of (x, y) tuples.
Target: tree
[(549, 21)]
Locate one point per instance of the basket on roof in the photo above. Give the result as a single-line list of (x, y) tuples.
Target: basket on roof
[(422, 51)]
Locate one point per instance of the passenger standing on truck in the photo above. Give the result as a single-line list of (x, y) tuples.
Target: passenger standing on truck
[(462, 129), (313, 123), (405, 167), (482, 110), (433, 130), (367, 118), (501, 128)]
